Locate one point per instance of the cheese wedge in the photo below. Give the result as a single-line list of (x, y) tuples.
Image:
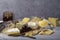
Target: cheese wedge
[(46, 32), (12, 31), (35, 19), (19, 26), (53, 21), (32, 25), (11, 25), (43, 23), (35, 32), (49, 32), (30, 34), (25, 20)]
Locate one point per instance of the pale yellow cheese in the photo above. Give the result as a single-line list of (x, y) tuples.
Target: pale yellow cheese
[(47, 32), (43, 23), (12, 31), (32, 25), (29, 34), (11, 25), (19, 26), (35, 19), (53, 21), (25, 20), (35, 32)]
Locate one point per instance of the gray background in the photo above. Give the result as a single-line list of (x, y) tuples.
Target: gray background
[(28, 8), (21, 8)]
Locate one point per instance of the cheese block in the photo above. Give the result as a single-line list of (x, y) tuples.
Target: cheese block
[(43, 23), (35, 32), (25, 20), (49, 32), (11, 25), (53, 21), (12, 31), (19, 26), (35, 19), (31, 33), (8, 26), (46, 32), (32, 25)]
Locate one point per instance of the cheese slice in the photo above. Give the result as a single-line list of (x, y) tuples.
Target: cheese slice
[(30, 34), (46, 32), (43, 23), (35, 19), (19, 26), (25, 20), (32, 25), (49, 32), (12, 31), (53, 21)]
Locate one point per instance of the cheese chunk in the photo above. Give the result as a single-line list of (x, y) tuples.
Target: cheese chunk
[(30, 34), (12, 31), (53, 21), (47, 32), (32, 25), (35, 32), (35, 19), (43, 23), (19, 26), (11, 25), (26, 20)]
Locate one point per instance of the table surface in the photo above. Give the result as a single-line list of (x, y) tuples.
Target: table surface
[(55, 36)]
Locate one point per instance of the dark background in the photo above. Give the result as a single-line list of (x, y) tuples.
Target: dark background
[(28, 8)]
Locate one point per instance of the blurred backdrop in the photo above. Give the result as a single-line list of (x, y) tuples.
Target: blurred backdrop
[(27, 8)]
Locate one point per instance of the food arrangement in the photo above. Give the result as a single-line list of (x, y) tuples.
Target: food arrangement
[(28, 27), (31, 26)]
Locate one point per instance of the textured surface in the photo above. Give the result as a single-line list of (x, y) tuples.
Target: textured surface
[(21, 8)]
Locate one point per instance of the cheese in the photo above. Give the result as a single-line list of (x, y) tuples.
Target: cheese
[(46, 32), (49, 32), (35, 19), (19, 26), (43, 23), (11, 25), (12, 31), (29, 34), (35, 32), (25, 20), (32, 25), (53, 21)]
